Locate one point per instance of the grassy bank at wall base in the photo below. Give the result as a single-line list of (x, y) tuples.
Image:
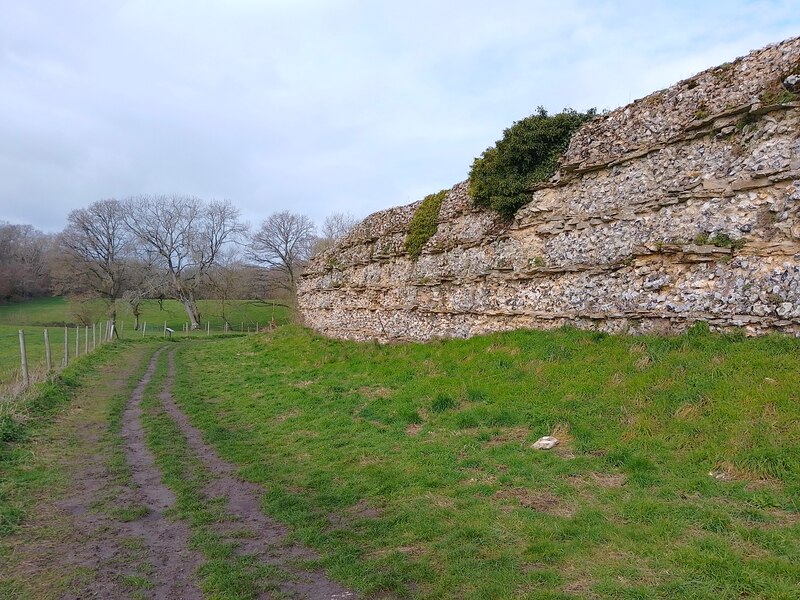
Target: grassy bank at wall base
[(409, 467)]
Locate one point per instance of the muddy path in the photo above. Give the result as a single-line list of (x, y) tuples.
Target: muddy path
[(168, 540), (108, 531), (266, 538), (96, 527)]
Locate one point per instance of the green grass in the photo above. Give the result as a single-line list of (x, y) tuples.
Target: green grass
[(409, 466), (57, 312), (53, 313), (39, 311)]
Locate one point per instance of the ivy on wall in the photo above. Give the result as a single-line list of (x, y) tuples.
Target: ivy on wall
[(424, 223), (501, 177)]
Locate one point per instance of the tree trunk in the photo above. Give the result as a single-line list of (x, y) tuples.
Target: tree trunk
[(191, 311), (224, 318), (135, 309)]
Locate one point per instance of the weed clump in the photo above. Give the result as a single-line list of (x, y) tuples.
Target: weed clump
[(441, 403), (476, 395), (11, 429), (744, 121), (777, 96), (775, 93), (720, 240)]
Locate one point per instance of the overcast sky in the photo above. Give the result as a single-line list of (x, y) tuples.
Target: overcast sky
[(319, 106)]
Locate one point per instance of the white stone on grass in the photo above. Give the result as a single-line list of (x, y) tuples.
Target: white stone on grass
[(545, 443)]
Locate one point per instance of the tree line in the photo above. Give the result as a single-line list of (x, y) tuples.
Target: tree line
[(163, 247)]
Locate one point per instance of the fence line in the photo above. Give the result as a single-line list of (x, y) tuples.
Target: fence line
[(37, 363), (24, 355), (66, 346), (48, 356)]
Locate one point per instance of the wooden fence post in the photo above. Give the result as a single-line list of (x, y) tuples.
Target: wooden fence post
[(77, 341), (144, 328), (86, 339), (47, 354), (165, 329), (94, 336), (208, 328), (66, 346), (24, 355)]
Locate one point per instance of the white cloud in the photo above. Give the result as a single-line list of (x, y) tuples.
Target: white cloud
[(318, 106)]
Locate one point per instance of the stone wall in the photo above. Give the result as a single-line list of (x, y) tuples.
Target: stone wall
[(682, 206)]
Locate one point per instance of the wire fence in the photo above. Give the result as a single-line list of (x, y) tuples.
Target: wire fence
[(41, 351), (30, 355)]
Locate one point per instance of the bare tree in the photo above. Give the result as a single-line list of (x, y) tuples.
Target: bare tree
[(24, 268), (227, 281), (187, 235), (93, 254), (335, 227), (338, 225), (283, 243), (145, 280)]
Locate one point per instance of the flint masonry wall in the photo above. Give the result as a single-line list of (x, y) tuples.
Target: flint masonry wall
[(617, 241)]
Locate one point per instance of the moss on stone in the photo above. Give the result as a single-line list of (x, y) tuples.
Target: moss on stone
[(424, 223)]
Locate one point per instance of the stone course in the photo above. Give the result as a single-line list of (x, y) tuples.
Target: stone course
[(632, 234)]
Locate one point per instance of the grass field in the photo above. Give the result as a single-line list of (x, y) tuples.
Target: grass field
[(57, 312), (53, 313), (409, 467)]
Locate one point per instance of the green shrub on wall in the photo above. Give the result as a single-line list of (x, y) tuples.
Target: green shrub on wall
[(424, 223), (528, 153)]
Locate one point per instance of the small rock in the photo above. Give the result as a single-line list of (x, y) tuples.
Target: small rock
[(721, 475), (784, 309), (769, 380), (545, 443), (792, 83)]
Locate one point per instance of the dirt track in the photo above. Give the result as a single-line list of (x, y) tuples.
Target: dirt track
[(174, 564), (110, 549), (266, 537)]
